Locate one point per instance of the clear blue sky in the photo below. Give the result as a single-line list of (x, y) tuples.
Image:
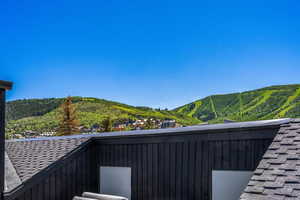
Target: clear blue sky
[(155, 53)]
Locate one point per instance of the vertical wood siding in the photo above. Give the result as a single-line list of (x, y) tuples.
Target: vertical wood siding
[(171, 170)]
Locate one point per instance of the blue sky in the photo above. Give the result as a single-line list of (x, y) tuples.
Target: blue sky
[(155, 53)]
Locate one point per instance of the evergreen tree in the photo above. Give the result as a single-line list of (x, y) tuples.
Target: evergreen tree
[(107, 124), (68, 118)]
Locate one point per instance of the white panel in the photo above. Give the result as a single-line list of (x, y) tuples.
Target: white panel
[(115, 181), (229, 185)]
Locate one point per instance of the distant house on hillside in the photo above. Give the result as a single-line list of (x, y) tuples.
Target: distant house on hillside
[(169, 124)]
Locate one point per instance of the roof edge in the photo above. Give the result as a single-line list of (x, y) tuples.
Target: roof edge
[(17, 189), (276, 176), (192, 129), (6, 85), (12, 179)]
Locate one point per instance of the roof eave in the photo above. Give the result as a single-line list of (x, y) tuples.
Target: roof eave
[(6, 85)]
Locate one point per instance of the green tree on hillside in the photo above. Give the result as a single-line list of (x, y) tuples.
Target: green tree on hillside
[(107, 124), (69, 123)]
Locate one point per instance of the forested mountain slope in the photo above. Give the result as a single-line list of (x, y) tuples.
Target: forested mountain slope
[(41, 114), (266, 103)]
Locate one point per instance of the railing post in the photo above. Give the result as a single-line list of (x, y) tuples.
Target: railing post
[(3, 87)]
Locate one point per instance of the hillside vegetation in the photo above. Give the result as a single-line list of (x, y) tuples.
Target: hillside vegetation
[(41, 114), (266, 103)]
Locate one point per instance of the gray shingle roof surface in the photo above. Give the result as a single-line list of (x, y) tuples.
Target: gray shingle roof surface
[(278, 174), (31, 156), (11, 179)]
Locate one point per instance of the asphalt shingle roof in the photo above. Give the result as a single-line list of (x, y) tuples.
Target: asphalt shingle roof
[(277, 177), (31, 156)]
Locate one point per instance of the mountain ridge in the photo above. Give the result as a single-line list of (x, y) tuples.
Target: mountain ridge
[(280, 100)]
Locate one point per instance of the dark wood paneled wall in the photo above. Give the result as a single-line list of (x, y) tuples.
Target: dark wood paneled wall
[(179, 167), (63, 181), (2, 137)]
